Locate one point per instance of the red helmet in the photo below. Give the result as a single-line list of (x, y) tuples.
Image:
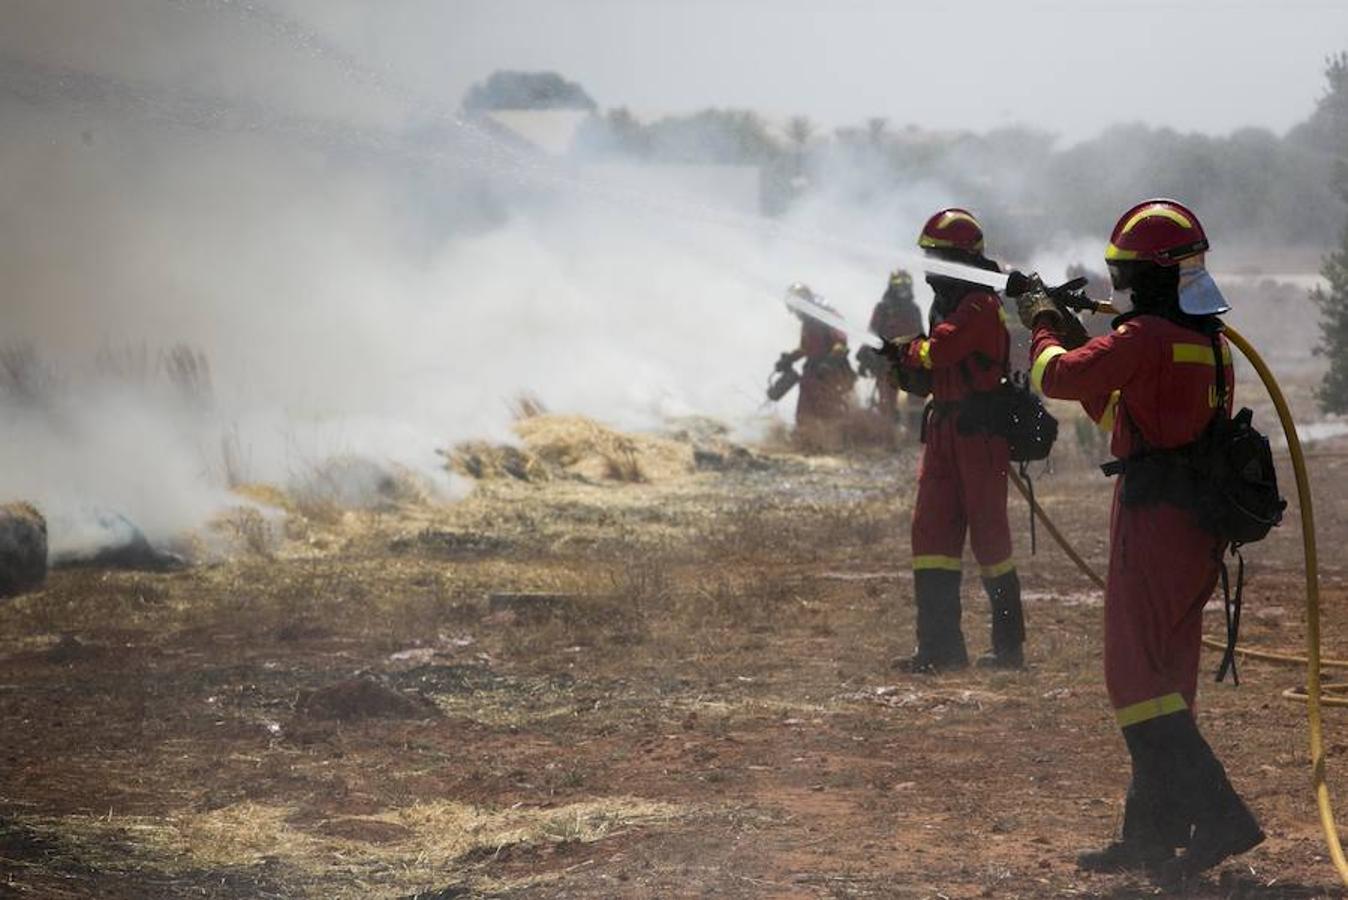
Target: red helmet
[(952, 229), (1158, 231)]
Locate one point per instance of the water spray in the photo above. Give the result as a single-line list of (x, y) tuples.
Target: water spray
[(828, 317)]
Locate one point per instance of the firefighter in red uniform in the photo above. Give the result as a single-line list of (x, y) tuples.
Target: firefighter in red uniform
[(1152, 383), (895, 318), (826, 379), (961, 481)]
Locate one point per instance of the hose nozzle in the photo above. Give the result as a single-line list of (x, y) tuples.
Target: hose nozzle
[(1069, 294)]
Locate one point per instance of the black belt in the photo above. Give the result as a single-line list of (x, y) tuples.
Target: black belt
[(943, 408), (936, 409)]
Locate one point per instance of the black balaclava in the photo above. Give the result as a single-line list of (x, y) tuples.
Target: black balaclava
[(950, 291)]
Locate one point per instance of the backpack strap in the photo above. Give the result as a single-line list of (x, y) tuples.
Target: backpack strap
[(1029, 489), (1219, 362), (1232, 602)]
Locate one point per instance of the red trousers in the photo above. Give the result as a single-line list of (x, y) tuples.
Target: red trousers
[(1162, 570), (823, 396), (887, 396), (961, 486)]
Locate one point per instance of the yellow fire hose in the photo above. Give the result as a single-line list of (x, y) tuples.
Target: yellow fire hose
[(1314, 693)]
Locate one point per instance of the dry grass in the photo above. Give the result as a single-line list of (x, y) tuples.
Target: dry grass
[(527, 406), (412, 848), (25, 376), (249, 529), (486, 461), (581, 447), (234, 460), (189, 372)]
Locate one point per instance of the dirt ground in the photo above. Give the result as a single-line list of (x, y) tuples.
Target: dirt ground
[(608, 682)]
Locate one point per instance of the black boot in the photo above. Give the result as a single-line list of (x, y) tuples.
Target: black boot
[(1126, 855), (1223, 824), (1153, 824), (940, 643), (1008, 623)]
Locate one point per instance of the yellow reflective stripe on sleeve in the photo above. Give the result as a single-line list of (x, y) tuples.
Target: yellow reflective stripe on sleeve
[(924, 353), (1041, 363), (1106, 420), (1149, 709), (1002, 568), (1200, 354), (932, 561)]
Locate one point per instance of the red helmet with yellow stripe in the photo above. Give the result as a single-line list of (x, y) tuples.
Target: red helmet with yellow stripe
[(1157, 231), (952, 229)]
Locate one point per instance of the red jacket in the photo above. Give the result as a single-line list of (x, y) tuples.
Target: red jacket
[(817, 340), (1158, 376), (974, 335), (896, 319)]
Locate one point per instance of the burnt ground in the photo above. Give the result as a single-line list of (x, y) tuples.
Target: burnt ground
[(590, 688)]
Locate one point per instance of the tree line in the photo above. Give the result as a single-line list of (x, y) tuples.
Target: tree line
[(1252, 185)]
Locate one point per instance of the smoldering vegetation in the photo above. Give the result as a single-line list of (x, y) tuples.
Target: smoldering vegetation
[(236, 251)]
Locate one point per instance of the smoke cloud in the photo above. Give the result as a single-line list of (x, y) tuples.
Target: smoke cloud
[(328, 267)]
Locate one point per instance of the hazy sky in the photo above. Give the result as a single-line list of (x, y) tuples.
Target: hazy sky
[(1073, 67)]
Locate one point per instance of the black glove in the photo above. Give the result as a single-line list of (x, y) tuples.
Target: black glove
[(893, 352), (1018, 283), (784, 362), (914, 381), (1071, 331), (870, 361)]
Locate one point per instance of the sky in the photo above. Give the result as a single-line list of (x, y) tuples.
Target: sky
[(1070, 67)]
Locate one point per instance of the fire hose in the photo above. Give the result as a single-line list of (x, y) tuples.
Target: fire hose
[(1314, 694)]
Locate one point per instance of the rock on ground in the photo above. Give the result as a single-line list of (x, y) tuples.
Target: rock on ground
[(362, 698), (23, 549)]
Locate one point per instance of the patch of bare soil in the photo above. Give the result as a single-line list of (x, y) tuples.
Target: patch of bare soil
[(594, 685)]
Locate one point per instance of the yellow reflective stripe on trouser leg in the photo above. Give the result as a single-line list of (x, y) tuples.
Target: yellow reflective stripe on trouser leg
[(1041, 363), (997, 571), (934, 561), (924, 353), (1149, 709)]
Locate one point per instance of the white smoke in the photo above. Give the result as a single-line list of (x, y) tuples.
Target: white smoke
[(356, 291)]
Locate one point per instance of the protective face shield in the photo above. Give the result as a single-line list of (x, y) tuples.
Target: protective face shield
[(900, 285), (1118, 278), (1198, 293), (1121, 281), (796, 295)]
